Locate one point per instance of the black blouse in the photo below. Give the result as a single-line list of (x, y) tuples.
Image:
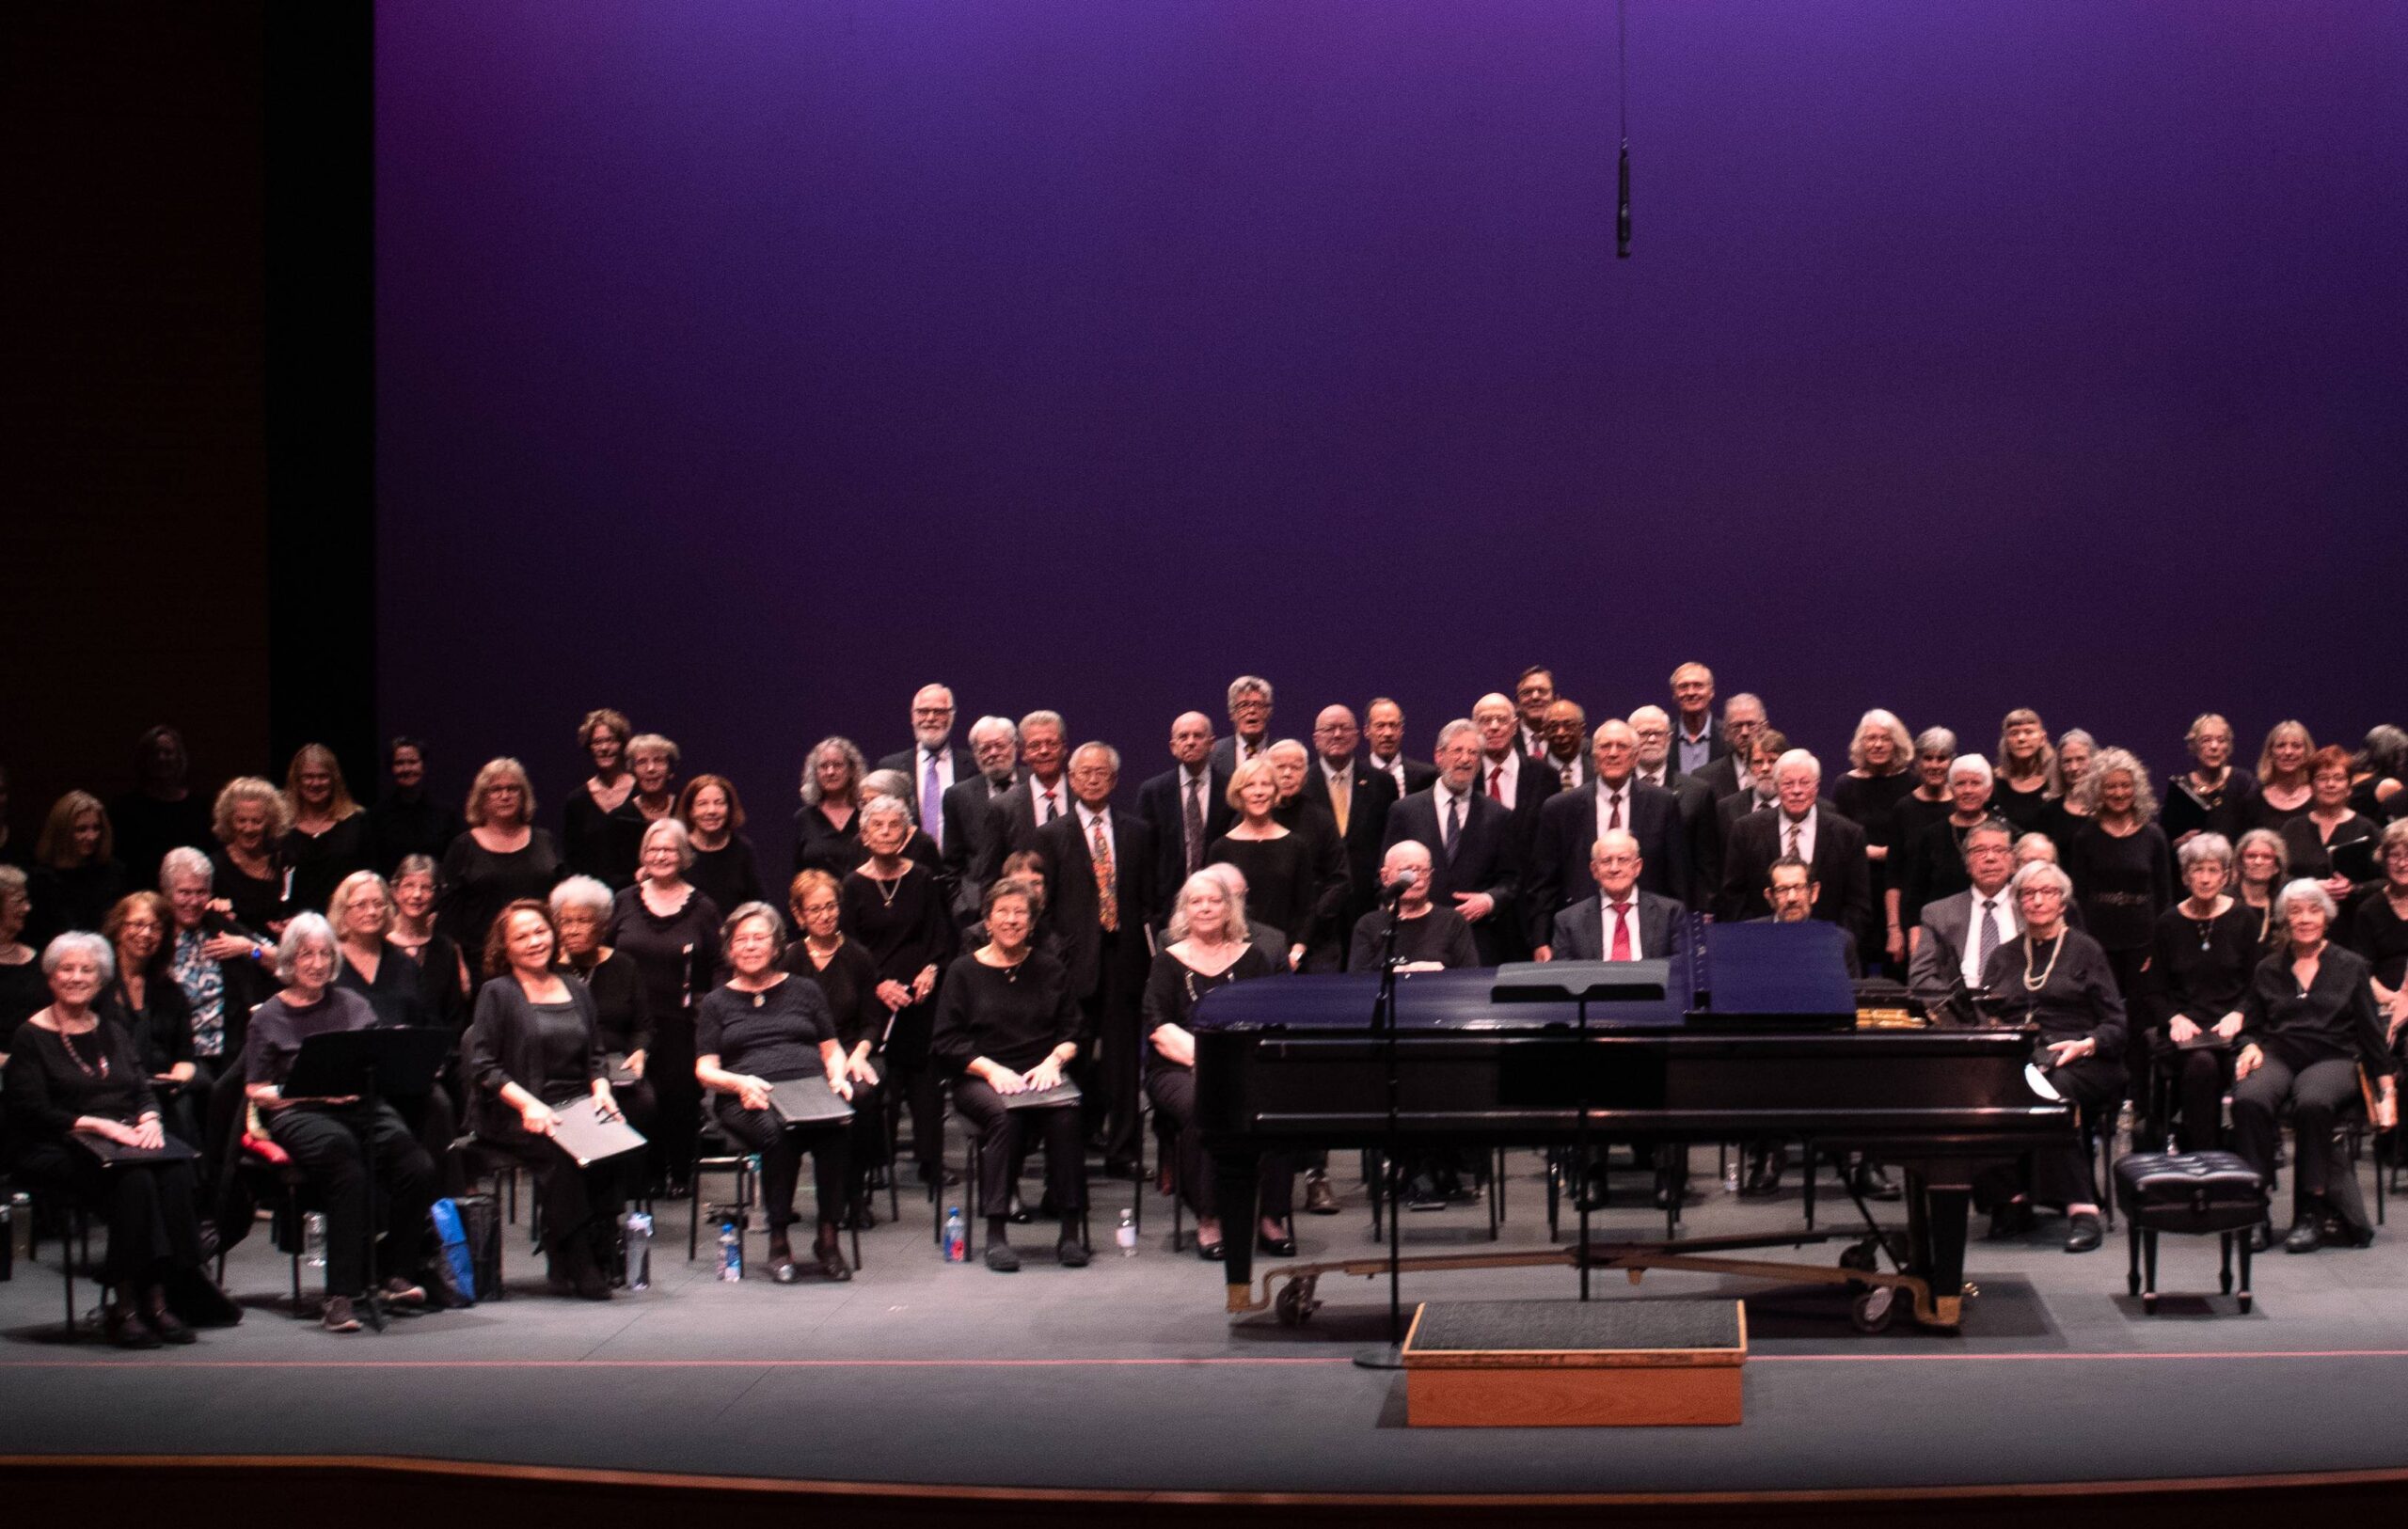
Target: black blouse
[(728, 875), (400, 827), (399, 993), (850, 981), (1440, 935), (53, 1080), (2333, 1020), (437, 964), (321, 861), (2230, 806), (820, 845), (1014, 1016), (2076, 995), (622, 1012), (1173, 988), (2200, 968), (2311, 852), (76, 898), (601, 845), (1871, 802), (1935, 869), (161, 1028), (260, 904), (2265, 814), (24, 990), (2026, 809), (478, 884), (2123, 883), (903, 926), (772, 1036), (1281, 884), (2381, 936), (512, 1040), (676, 954)]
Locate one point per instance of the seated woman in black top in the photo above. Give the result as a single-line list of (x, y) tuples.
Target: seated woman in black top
[(1208, 948), (143, 998), (361, 911), (442, 970), (326, 1137), (622, 1012), (848, 978), (2379, 931), (1277, 862), (1006, 1024), (74, 1074), (2203, 950), (2058, 979), (763, 1026), (2308, 1028), (532, 1048)]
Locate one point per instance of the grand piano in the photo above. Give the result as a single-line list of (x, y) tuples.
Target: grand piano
[(1745, 1030)]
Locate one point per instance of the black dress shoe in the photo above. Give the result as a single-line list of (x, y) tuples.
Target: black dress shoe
[(2084, 1235), (1072, 1253), (1211, 1253), (1320, 1199), (1277, 1247), (2011, 1220), (2305, 1236), (2261, 1237), (1873, 1182), (121, 1327)]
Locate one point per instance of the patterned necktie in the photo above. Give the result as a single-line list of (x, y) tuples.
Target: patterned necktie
[(1621, 933), (1341, 794), (1193, 824), (932, 803), (1989, 938), (1613, 811), (1454, 823), (1571, 773), (1053, 809), (1106, 900), (1793, 843)]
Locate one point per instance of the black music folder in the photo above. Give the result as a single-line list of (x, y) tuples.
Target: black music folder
[(615, 1069), (2355, 859), (112, 1152), (582, 1130), (1060, 1094), (2182, 812), (808, 1101), (342, 1063)]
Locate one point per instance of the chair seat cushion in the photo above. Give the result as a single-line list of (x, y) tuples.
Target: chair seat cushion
[(2189, 1191)]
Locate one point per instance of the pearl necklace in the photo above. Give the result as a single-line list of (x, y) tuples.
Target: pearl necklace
[(2058, 948)]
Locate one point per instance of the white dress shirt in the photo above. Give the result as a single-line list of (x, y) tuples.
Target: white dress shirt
[(1512, 766), (1606, 797), (1393, 767), (1039, 792), (1088, 819), (2009, 926), (1606, 925), (1803, 827)]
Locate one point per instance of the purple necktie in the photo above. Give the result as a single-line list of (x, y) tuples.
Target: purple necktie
[(931, 803)]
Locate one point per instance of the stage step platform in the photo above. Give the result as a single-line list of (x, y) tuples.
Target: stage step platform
[(1575, 1363)]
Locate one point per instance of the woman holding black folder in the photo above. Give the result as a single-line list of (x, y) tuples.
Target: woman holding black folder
[(2329, 823), (73, 1075), (760, 1027), (531, 1050)]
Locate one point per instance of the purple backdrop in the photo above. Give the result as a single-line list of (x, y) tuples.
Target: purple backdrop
[(744, 363)]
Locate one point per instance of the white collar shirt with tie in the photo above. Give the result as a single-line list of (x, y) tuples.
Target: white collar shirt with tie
[(1447, 801), (939, 761), (1613, 802), (1606, 924), (1048, 802), (1510, 768), (1393, 767), (2009, 926), (1797, 838)]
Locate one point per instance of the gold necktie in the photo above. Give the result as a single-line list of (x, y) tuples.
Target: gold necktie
[(1340, 798)]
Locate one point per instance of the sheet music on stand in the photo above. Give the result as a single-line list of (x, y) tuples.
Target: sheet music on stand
[(582, 1130)]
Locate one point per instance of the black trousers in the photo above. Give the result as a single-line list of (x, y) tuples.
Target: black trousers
[(904, 1064), (154, 1226), (2126, 967), (782, 1147), (669, 1068), (1113, 1055), (641, 1104), (1004, 1137), (868, 1146), (2317, 1093), (328, 1144), (580, 1203), (1173, 1091), (2060, 1175), (2196, 1080)]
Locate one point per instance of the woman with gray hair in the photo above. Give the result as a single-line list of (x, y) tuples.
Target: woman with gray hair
[(2058, 979), (2308, 1028), (919, 848), (328, 1139), (2261, 863), (75, 1077), (899, 912), (2201, 956), (826, 837), (669, 929), (1881, 773), (1910, 818)]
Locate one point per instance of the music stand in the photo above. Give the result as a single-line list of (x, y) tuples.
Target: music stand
[(1581, 983), (364, 1062)]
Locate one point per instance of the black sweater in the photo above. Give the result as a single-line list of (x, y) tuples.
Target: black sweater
[(47, 1092), (1009, 1015), (506, 1046)]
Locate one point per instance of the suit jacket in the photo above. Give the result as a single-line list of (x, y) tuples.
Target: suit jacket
[(965, 763), (1558, 869), (1014, 830), (1536, 783), (1419, 774), (1839, 865), (1333, 882), (1584, 770), (1937, 965), (1721, 776), (1225, 754), (1729, 810), (973, 855), (1487, 858), (1157, 804), (1704, 831), (1578, 932), (1075, 912), (1367, 823)]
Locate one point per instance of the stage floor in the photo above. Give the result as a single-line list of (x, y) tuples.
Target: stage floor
[(1128, 1374)]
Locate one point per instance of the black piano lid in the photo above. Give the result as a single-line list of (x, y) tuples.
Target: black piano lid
[(1795, 971)]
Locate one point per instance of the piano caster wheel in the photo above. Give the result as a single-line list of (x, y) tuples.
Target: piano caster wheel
[(1874, 1308), (1296, 1303), (1861, 1256)]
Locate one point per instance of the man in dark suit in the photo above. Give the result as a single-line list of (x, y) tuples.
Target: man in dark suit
[(1743, 715), (1653, 727), (970, 852), (934, 764), (1701, 742), (1572, 821), (1186, 805), (1804, 828), (1042, 796), (1768, 744), (1103, 900), (1475, 858), (1534, 693), (1249, 725), (1357, 800), (1383, 730), (1514, 780), (1565, 746)]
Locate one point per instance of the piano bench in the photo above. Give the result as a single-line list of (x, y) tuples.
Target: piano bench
[(2191, 1194)]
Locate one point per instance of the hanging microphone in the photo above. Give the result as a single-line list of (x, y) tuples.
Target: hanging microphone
[(1622, 204), (1394, 891)]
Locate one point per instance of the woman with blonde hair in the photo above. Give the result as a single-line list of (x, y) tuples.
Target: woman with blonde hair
[(1882, 772), (330, 838), (76, 876), (2026, 766), (501, 859), (2284, 787), (247, 868)]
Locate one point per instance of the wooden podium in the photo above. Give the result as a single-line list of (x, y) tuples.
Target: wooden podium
[(1567, 1364)]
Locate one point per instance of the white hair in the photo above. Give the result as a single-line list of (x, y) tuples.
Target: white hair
[(1234, 927), (1453, 730), (2036, 872), (303, 928), (2302, 891), (668, 827), (582, 892), (1798, 756), (1974, 765), (84, 941), (185, 862)]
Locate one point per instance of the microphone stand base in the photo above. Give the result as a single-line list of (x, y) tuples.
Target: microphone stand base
[(1386, 1357)]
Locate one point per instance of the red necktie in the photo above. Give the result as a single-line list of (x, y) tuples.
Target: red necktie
[(1621, 933), (1497, 785)]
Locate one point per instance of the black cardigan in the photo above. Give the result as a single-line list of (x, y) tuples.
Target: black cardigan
[(506, 1046)]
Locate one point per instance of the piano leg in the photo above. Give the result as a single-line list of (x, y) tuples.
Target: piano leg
[(1940, 1250), (1236, 1181)]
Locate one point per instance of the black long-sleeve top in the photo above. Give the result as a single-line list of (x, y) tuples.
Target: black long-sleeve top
[(550, 1050), (2200, 968), (279, 1028), (398, 993), (622, 1010), (728, 875), (903, 926), (53, 1080), (161, 1028), (849, 983), (78, 897), (2381, 936), (2122, 881), (478, 884), (1173, 988), (2312, 852), (24, 990), (1014, 1016), (604, 845), (2230, 811), (2027, 809), (321, 861), (401, 826), (1282, 883), (1440, 935), (1934, 869), (772, 1036), (2334, 1019), (437, 964), (258, 904), (676, 954), (820, 845), (2076, 997), (1333, 880)]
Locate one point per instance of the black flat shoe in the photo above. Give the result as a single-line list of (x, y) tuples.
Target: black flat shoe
[(2085, 1235), (2010, 1221), (2304, 1237), (1211, 1253), (1072, 1251)]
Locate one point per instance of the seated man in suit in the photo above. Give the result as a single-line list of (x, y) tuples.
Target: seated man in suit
[(1384, 731), (1804, 827), (1572, 821), (1792, 890), (1475, 860), (1961, 932), (1357, 800), (1624, 921), (1743, 718)]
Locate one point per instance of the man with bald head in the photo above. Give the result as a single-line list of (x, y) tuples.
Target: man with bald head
[(1428, 937), (1728, 774), (1564, 743), (1804, 827), (1186, 805), (1357, 800), (1614, 801)]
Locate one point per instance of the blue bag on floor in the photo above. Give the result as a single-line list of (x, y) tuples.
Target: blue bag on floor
[(456, 1269)]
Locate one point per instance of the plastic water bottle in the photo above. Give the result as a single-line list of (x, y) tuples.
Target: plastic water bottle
[(1731, 1175), (731, 1251), (20, 1226), (637, 1227), (957, 1237), (1126, 1235), (313, 1243)]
